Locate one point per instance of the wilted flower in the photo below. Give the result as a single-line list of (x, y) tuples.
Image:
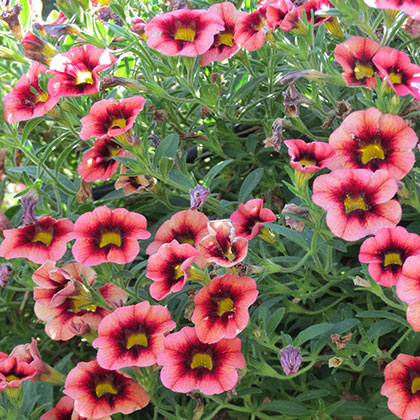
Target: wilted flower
[(295, 224), (28, 203), (275, 141), (290, 360), (198, 196), (335, 362), (6, 270), (43, 50), (11, 17)]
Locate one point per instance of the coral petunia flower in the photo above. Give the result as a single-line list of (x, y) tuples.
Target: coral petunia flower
[(408, 285), (358, 201), (224, 46), (386, 253), (356, 57), (411, 7), (222, 246), (250, 30), (275, 11), (108, 235), (250, 218), (186, 226), (13, 372), (27, 100), (110, 117), (170, 268), (402, 386), (399, 72), (45, 239), (76, 71), (97, 163), (99, 392), (221, 309), (371, 140), (132, 336), (189, 364), (183, 32)]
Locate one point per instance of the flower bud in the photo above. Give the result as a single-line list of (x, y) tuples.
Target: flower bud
[(198, 196), (6, 271), (290, 360)]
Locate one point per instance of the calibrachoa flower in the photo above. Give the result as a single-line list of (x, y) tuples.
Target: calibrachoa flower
[(97, 163), (400, 74), (372, 140), (189, 364), (386, 253), (221, 309), (76, 71), (43, 240), (110, 117), (27, 100), (13, 372), (249, 30), (198, 196), (170, 268), (187, 227), (222, 246), (356, 57), (408, 285), (183, 32), (132, 335), (402, 383), (224, 46), (290, 360), (250, 217), (108, 235), (411, 7), (275, 11), (99, 392), (358, 201)]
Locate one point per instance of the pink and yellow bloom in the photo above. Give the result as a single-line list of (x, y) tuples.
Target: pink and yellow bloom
[(76, 71), (402, 385), (98, 392), (356, 57), (371, 140), (186, 226), (408, 285), (108, 235), (275, 11), (46, 239), (386, 253), (170, 268), (358, 201), (189, 364), (111, 118), (13, 372), (27, 100), (250, 30), (132, 336), (183, 32), (221, 309), (250, 217), (411, 7)]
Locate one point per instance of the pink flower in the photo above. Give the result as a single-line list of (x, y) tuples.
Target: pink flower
[(183, 32), (13, 372), (358, 201), (408, 285), (249, 30), (411, 7)]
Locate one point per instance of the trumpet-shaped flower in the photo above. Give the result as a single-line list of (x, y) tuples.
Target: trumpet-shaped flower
[(100, 392), (222, 307), (13, 372), (132, 335), (189, 364), (183, 32), (358, 201), (371, 140), (249, 30), (108, 235)]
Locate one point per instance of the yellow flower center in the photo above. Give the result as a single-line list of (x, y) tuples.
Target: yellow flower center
[(354, 203), (415, 385), (392, 258), (44, 237), (104, 2), (110, 238), (229, 255), (178, 273), (262, 23), (306, 162), (372, 151), (395, 78), (11, 378), (84, 77), (41, 97), (202, 360), (119, 123), (82, 300), (225, 305), (182, 240), (225, 38), (185, 34), (361, 71), (103, 388), (138, 339)]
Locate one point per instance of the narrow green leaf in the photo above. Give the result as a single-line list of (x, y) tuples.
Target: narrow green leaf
[(250, 182)]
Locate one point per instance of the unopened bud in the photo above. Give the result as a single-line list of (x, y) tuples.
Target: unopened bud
[(290, 360)]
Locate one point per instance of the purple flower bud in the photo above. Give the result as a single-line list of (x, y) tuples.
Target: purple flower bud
[(198, 196), (28, 203), (5, 274), (290, 360), (155, 140)]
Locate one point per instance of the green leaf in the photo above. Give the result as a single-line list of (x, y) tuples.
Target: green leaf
[(213, 172), (179, 178), (383, 314), (290, 234), (285, 407), (275, 320), (167, 147), (165, 165), (30, 128), (247, 88), (118, 30), (312, 332), (250, 182)]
